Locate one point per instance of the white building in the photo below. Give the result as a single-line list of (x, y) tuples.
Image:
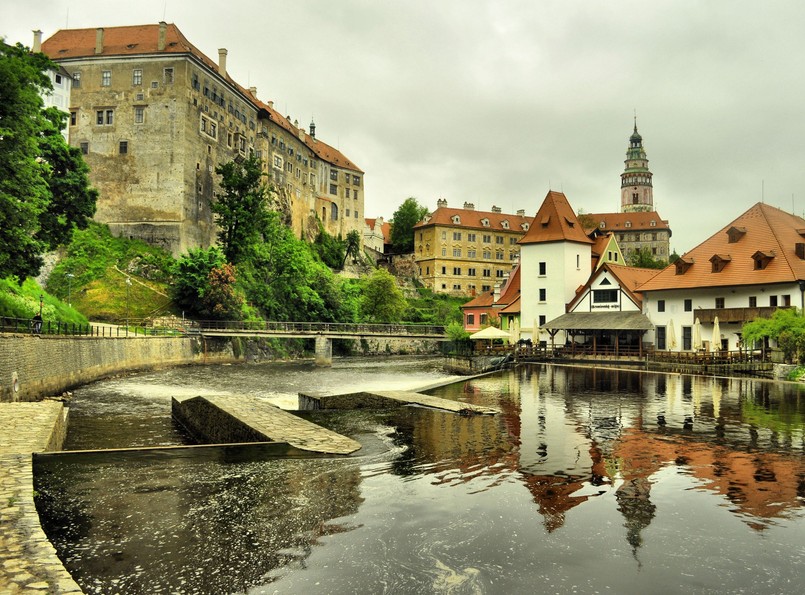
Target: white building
[(749, 268)]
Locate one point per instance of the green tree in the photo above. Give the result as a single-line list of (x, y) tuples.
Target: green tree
[(24, 193), (221, 299), (644, 259), (330, 249), (402, 225), (239, 212), (72, 200), (352, 247), (786, 327), (191, 278), (381, 299)]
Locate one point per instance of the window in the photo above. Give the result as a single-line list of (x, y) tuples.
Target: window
[(333, 175), (444, 270), (456, 270), (578, 262), (346, 191), (124, 147), (348, 213), (354, 194), (605, 296), (471, 272), (498, 239), (499, 274), (208, 127), (471, 237), (168, 77), (487, 254), (444, 251), (752, 301), (719, 302), (483, 318), (106, 78), (661, 308), (457, 235), (139, 115), (334, 213), (786, 300), (487, 239), (499, 255), (512, 241), (486, 287), (688, 305), (356, 180), (136, 77), (470, 319), (627, 224), (84, 148), (73, 118), (687, 338), (333, 189), (105, 117), (773, 301), (542, 294), (486, 273), (542, 268), (660, 338), (77, 79), (542, 319), (457, 252), (444, 235), (471, 253)]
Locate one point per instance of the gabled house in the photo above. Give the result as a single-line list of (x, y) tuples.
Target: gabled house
[(496, 304), (606, 313), (605, 249), (749, 268), (555, 260)]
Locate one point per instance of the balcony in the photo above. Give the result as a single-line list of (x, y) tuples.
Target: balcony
[(707, 315)]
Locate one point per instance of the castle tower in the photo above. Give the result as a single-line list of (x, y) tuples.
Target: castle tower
[(636, 190)]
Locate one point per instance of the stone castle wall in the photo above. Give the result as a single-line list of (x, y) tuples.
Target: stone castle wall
[(34, 367)]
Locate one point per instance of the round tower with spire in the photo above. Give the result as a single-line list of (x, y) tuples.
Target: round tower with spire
[(636, 189)]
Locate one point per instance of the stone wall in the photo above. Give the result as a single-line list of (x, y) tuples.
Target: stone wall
[(34, 367)]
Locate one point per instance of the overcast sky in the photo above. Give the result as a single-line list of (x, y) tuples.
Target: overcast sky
[(496, 102)]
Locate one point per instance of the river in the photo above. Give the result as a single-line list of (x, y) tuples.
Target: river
[(590, 481)]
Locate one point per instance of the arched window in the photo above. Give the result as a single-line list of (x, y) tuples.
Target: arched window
[(334, 212)]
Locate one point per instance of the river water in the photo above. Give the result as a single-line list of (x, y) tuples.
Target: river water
[(590, 481)]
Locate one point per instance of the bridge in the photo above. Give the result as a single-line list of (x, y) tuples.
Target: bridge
[(322, 332)]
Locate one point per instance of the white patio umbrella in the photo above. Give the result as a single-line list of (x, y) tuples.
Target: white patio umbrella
[(490, 332), (697, 335), (716, 343), (671, 338)]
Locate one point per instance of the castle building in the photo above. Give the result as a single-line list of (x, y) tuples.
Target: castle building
[(464, 251), (637, 226), (154, 117)]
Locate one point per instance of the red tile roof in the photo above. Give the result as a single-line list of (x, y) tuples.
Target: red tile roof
[(617, 221), (555, 222), (510, 291), (768, 230), (628, 278), (482, 300), (513, 308), (473, 219)]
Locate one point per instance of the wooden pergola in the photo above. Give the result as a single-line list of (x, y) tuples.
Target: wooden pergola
[(602, 331)]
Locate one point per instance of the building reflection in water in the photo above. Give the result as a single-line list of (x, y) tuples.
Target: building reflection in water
[(571, 434)]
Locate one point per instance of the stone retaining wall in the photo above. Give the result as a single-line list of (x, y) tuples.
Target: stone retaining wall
[(33, 367)]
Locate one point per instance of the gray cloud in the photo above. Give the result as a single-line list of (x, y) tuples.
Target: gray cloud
[(495, 102)]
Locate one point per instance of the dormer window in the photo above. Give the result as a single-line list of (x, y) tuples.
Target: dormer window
[(456, 220), (735, 233), (602, 225), (570, 222), (682, 264), (627, 224), (545, 220), (504, 224), (485, 222), (762, 259), (524, 226), (719, 261), (653, 223)]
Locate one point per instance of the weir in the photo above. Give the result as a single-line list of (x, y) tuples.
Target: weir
[(240, 418), (386, 399)]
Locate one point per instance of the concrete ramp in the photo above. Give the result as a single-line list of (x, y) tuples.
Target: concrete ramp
[(386, 399), (224, 419)]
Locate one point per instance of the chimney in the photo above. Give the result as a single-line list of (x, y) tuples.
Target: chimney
[(253, 91), (496, 209), (99, 40), (37, 47), (271, 104), (468, 206), (222, 64), (163, 32), (521, 212), (442, 202), (312, 129)]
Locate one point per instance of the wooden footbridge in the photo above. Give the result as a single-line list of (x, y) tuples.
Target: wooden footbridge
[(322, 332)]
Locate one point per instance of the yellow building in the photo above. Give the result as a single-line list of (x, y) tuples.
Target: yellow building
[(464, 251)]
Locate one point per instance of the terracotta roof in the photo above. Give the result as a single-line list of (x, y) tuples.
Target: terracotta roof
[(386, 228), (482, 300), (617, 221), (513, 308), (628, 278), (137, 40), (510, 291), (600, 243), (473, 219), (769, 230), (555, 222)]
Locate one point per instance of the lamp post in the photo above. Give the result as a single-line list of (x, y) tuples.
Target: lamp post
[(69, 288), (41, 302), (128, 286)]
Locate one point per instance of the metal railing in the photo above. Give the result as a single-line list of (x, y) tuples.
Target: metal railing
[(335, 328), (59, 328)]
